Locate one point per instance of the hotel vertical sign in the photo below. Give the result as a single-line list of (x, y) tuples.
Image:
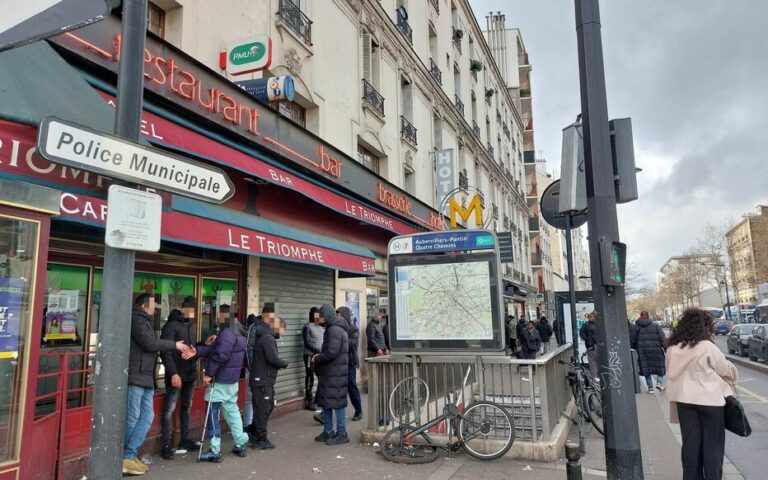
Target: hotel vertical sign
[(445, 174)]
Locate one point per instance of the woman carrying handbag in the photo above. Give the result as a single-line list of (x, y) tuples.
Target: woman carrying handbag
[(699, 379)]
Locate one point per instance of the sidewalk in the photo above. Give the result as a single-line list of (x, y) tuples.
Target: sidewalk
[(298, 456)]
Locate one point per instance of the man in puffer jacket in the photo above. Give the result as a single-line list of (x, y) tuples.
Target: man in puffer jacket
[(332, 373), (353, 333), (225, 354)]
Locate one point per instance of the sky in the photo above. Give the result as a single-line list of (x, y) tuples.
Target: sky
[(692, 75)]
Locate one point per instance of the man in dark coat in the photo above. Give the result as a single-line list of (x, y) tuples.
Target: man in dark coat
[(545, 332), (180, 376), (263, 364), (647, 337), (353, 334), (332, 374), (141, 380), (225, 354), (520, 329), (588, 333), (530, 342), (377, 345)]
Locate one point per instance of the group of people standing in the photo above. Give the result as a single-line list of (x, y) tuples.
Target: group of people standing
[(526, 339)]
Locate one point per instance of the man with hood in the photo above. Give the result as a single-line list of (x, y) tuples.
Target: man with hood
[(269, 307), (588, 333), (530, 341), (522, 325), (332, 373), (180, 376), (545, 332), (353, 332), (647, 337), (312, 334), (263, 364)]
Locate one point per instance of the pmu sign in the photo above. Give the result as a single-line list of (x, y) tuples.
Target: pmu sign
[(247, 55), (85, 149)]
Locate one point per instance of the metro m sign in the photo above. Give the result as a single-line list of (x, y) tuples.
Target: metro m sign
[(475, 206)]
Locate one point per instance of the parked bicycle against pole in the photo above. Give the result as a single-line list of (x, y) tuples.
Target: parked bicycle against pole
[(484, 429), (587, 393)]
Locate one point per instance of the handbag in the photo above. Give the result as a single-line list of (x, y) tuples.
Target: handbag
[(735, 418)]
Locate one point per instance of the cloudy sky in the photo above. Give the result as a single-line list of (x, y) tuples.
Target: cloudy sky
[(693, 75)]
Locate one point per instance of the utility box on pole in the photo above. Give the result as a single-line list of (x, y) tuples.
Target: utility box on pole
[(623, 155)]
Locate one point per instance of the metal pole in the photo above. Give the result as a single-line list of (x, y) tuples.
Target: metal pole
[(111, 370), (728, 298), (574, 327), (622, 439)]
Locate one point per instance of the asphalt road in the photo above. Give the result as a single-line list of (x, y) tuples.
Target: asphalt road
[(750, 455)]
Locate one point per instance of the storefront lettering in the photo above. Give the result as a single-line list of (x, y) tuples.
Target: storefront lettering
[(398, 202), (280, 178), (359, 211), (329, 164), (71, 204), (272, 247)]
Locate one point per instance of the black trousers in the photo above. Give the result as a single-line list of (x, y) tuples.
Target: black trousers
[(263, 399), (186, 392), (703, 430), (309, 377)]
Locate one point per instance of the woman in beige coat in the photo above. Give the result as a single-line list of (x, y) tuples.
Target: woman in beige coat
[(698, 380)]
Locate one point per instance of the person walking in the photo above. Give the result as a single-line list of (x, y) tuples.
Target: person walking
[(530, 342), (263, 363), (511, 327), (647, 337), (225, 353), (377, 346), (332, 374), (588, 333), (312, 334), (522, 325), (180, 376), (353, 333), (141, 380), (545, 332), (698, 379)]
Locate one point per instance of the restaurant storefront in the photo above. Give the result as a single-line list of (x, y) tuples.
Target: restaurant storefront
[(305, 227)]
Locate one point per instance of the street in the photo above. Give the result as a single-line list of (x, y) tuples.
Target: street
[(749, 454)]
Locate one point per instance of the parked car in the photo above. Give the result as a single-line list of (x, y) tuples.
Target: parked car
[(738, 339), (758, 343), (723, 327)]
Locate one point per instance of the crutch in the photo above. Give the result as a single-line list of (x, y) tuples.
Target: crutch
[(205, 422)]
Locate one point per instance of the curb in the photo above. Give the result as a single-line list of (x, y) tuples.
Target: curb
[(746, 362)]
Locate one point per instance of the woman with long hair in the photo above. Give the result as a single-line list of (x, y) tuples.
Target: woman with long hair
[(698, 380)]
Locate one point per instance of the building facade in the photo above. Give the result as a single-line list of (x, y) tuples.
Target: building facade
[(748, 253), (691, 281)]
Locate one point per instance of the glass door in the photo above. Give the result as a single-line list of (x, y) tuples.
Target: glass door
[(18, 266)]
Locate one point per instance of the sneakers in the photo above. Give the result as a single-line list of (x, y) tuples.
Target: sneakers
[(338, 439), (324, 437), (263, 445), (189, 446), (660, 388), (239, 450), (168, 452), (210, 456), (134, 467), (651, 390), (318, 418), (358, 415)]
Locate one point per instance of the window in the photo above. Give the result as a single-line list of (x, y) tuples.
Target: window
[(368, 158), (292, 110), (410, 182), (370, 60), (155, 20)]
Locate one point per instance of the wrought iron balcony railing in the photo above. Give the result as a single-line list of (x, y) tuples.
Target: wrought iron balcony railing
[(407, 131), (475, 128), (372, 98), (463, 179), (459, 104), (296, 20), (405, 29), (435, 71)]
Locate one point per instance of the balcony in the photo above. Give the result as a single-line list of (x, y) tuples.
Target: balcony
[(532, 190), (457, 35), (495, 210), (459, 104), (463, 179), (498, 115), (296, 21), (533, 224), (435, 71), (489, 147), (474, 74), (536, 259), (373, 99), (522, 59), (506, 222), (527, 122), (405, 29), (436, 4), (475, 129), (525, 91), (529, 157), (507, 133), (407, 131)]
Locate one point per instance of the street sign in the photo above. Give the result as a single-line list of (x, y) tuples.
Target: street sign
[(26, 21), (442, 242), (506, 249), (247, 55), (133, 219), (82, 148)]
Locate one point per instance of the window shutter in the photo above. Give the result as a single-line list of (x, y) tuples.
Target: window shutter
[(367, 56)]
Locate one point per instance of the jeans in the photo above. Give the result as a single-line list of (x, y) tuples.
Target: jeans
[(703, 431), (169, 405), (341, 420), (544, 346), (138, 418), (592, 358), (354, 392), (263, 404), (223, 399), (248, 408), (309, 378), (649, 381)]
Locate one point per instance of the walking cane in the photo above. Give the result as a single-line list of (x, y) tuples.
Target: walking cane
[(205, 422)]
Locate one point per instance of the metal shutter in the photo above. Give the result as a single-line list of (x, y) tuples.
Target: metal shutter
[(295, 289)]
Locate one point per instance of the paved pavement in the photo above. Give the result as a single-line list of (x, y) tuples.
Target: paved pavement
[(297, 456)]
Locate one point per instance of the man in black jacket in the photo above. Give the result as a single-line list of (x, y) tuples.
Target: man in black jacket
[(377, 344), (545, 332), (263, 363), (141, 380), (180, 375), (588, 333), (353, 333)]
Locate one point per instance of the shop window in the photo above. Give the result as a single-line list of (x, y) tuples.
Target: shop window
[(65, 307), (218, 303), (156, 20), (292, 110), (368, 158), (18, 265)]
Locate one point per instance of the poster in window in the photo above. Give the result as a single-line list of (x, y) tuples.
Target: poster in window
[(12, 292), (61, 315)]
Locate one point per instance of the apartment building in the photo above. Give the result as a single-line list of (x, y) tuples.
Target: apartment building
[(748, 253)]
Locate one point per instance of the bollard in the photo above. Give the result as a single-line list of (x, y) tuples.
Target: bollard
[(573, 468)]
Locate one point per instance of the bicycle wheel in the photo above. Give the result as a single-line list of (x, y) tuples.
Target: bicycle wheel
[(486, 430), (410, 395), (401, 446), (594, 408)]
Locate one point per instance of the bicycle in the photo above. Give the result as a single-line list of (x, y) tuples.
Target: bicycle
[(485, 429), (587, 393)]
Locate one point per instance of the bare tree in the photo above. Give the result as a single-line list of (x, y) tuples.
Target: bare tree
[(635, 281), (712, 248)]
